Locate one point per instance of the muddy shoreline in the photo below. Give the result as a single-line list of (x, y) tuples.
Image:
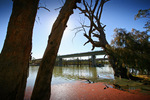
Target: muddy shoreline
[(85, 91)]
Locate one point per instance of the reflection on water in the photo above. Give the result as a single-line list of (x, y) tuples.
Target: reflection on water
[(73, 73), (32, 75), (96, 74)]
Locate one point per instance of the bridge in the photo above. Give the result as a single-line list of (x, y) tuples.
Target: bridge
[(92, 54), (82, 54), (91, 62)]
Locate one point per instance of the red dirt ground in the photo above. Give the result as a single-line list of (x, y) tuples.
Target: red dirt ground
[(84, 91)]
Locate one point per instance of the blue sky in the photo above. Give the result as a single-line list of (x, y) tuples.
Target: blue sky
[(116, 14)]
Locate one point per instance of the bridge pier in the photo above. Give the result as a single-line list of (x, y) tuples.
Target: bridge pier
[(93, 57), (60, 62)]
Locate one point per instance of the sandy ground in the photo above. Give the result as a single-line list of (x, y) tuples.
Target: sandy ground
[(85, 91)]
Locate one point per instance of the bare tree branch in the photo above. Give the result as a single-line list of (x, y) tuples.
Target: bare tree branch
[(76, 33), (96, 35), (98, 10), (89, 38), (58, 8), (96, 28), (102, 4), (44, 8), (86, 42), (96, 3)]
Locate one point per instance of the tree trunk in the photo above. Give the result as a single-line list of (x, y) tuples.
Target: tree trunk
[(42, 88), (14, 58), (119, 71), (93, 12)]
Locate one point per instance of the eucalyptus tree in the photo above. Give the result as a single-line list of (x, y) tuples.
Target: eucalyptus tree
[(42, 88), (92, 10), (14, 57), (146, 15), (132, 49)]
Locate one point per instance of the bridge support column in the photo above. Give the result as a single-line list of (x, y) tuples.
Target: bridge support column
[(93, 57), (60, 62)]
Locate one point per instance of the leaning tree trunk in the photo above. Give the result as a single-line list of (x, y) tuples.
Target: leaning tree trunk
[(119, 71), (93, 11), (42, 88), (15, 54)]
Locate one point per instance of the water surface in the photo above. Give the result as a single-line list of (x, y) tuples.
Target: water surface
[(94, 74), (73, 73)]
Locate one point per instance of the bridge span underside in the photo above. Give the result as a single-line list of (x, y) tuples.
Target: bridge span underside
[(91, 62)]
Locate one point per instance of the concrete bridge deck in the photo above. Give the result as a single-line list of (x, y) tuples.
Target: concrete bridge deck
[(82, 54), (92, 54)]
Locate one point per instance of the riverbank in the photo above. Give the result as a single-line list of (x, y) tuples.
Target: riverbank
[(84, 91)]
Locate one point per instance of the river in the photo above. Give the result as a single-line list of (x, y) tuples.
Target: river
[(73, 73), (94, 74)]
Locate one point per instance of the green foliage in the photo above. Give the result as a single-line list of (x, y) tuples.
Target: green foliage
[(132, 49), (144, 14)]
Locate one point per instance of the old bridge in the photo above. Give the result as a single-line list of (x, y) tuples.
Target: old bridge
[(85, 54), (91, 61)]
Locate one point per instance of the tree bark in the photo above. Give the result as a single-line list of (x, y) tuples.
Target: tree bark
[(119, 71), (14, 58), (42, 88), (93, 11)]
